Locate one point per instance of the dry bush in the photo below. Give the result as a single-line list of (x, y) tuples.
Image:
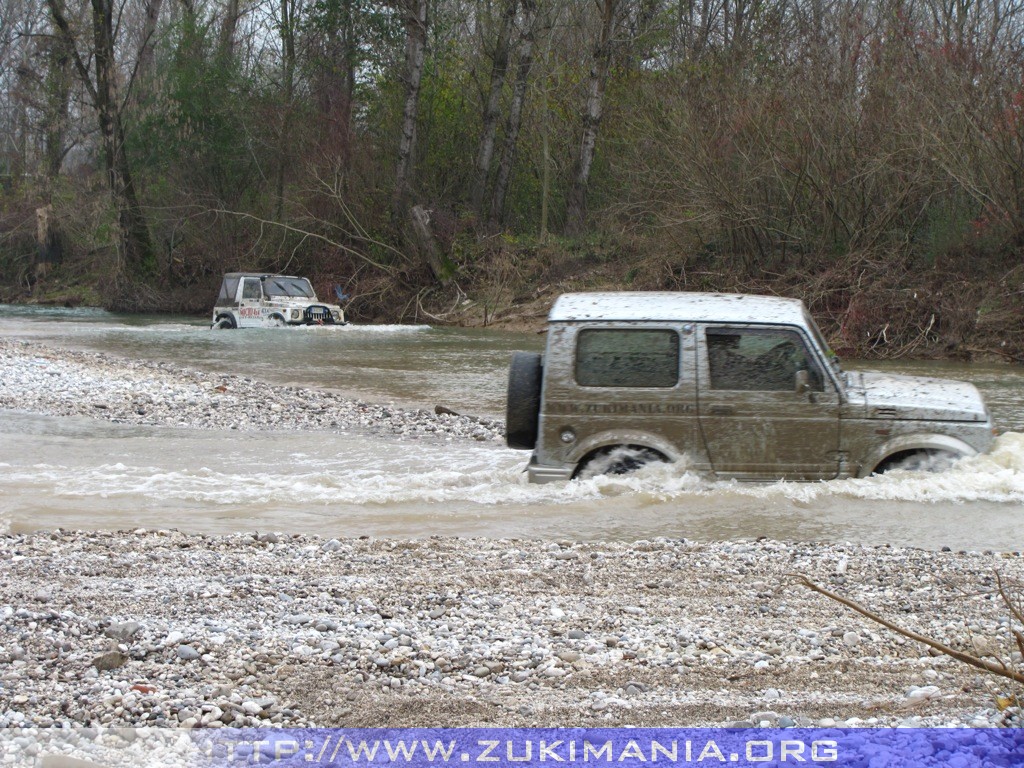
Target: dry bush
[(1006, 661)]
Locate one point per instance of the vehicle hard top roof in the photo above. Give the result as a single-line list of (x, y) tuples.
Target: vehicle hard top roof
[(259, 274), (677, 306)]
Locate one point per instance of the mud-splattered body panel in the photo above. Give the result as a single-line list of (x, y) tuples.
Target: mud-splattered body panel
[(736, 386)]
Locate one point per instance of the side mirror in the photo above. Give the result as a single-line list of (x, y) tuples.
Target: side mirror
[(803, 382)]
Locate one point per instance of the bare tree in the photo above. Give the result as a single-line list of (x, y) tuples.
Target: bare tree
[(57, 99), (416, 19), (344, 52), (515, 110), (500, 59), (228, 28), (101, 86), (601, 60), (287, 26), (147, 40)]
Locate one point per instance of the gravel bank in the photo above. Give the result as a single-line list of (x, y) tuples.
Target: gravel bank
[(61, 382), (165, 628)]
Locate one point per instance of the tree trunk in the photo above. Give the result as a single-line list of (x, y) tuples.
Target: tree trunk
[(58, 99), (440, 267), (545, 133), (136, 247), (515, 113), (492, 111), (415, 56), (349, 56), (288, 76), (576, 204), (49, 243), (227, 30), (147, 44)]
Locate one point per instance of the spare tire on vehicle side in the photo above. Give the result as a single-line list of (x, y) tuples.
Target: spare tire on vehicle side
[(523, 406)]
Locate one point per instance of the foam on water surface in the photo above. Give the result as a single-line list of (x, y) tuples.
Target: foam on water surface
[(368, 473)]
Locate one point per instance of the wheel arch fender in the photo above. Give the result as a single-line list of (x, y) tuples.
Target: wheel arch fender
[(917, 442)]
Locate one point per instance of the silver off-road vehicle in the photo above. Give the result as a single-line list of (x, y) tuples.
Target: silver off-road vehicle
[(254, 300), (735, 386)]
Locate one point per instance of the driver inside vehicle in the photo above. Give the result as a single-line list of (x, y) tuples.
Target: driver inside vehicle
[(729, 368), (776, 369), (757, 361)]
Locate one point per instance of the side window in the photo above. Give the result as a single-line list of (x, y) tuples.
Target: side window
[(635, 357), (228, 290), (755, 360), (251, 290)]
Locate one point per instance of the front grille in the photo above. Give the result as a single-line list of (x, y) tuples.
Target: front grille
[(318, 314)]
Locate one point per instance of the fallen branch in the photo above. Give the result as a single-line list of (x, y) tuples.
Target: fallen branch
[(997, 669), (307, 234)]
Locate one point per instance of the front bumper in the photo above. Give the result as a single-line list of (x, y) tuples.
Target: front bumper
[(319, 314)]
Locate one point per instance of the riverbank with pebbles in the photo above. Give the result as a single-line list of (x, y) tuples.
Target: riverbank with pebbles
[(60, 382), (167, 629), (162, 628)]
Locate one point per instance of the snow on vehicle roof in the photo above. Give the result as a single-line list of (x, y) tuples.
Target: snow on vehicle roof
[(677, 306)]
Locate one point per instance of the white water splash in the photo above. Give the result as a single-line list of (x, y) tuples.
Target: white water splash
[(997, 476), (494, 477)]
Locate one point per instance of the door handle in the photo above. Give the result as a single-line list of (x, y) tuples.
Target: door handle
[(721, 410)]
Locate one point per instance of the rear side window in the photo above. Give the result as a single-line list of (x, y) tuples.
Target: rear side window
[(635, 357), (228, 290)]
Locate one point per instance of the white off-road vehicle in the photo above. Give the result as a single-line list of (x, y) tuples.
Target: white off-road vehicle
[(253, 300)]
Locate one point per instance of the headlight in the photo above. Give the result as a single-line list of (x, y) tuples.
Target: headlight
[(295, 314), (337, 316)]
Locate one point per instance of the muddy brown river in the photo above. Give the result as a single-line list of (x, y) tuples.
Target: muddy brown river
[(83, 473)]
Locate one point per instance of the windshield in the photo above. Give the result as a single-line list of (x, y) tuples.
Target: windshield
[(298, 287)]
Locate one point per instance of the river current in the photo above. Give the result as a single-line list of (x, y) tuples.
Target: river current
[(85, 474)]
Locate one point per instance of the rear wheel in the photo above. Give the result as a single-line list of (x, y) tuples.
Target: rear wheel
[(617, 460), (923, 460), (522, 408), (224, 322)]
